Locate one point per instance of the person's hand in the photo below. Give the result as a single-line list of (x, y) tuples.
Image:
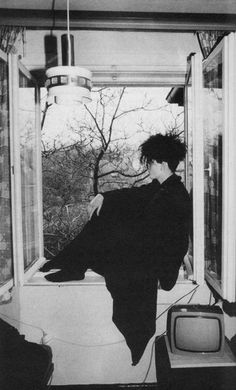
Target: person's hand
[(95, 204)]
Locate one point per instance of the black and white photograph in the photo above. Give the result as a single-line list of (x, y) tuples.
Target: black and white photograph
[(117, 194)]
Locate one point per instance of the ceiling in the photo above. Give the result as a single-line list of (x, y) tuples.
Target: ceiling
[(145, 15), (170, 6)]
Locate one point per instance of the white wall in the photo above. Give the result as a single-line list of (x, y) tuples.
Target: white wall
[(91, 350), (77, 317), (118, 51), (116, 47)]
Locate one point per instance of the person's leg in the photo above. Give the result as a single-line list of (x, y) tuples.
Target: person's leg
[(78, 250), (88, 250), (94, 247), (134, 307)]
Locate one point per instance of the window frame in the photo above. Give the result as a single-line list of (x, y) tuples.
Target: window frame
[(8, 284), (21, 275), (228, 288), (130, 77), (195, 71)]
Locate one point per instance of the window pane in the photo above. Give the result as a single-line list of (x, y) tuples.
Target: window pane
[(5, 188), (28, 155), (189, 136), (189, 159), (213, 124)]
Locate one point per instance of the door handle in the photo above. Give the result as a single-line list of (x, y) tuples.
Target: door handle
[(209, 169)]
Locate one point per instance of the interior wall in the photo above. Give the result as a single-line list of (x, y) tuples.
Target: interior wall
[(87, 347), (77, 319), (111, 50)]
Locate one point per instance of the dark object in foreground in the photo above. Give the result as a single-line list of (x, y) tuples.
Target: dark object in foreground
[(179, 372), (23, 365)]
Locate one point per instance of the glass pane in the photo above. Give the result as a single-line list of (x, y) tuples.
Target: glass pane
[(213, 138), (5, 187), (189, 159), (28, 155), (189, 135)]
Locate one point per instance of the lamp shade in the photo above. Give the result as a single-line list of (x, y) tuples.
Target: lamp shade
[(68, 85)]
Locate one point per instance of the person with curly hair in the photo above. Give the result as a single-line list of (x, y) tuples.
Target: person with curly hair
[(136, 238)]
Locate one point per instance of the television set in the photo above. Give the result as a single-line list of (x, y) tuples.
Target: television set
[(196, 330)]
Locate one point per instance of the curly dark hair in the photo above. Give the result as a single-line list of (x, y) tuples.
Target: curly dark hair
[(163, 147)]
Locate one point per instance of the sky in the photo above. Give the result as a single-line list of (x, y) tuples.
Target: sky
[(159, 116)]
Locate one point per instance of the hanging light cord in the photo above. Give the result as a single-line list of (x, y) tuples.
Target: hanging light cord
[(68, 34)]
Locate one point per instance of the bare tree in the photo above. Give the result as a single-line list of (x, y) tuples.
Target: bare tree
[(107, 138)]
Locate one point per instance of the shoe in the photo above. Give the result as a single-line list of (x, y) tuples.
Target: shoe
[(50, 264), (64, 276)]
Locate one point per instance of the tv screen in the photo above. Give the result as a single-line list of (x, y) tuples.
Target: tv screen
[(196, 329)]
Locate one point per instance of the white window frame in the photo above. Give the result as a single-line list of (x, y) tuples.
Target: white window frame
[(228, 292), (195, 266), (227, 288), (130, 77), (20, 274), (198, 170), (137, 76), (8, 284), (229, 161)]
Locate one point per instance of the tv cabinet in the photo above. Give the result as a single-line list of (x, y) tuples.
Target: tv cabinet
[(179, 372)]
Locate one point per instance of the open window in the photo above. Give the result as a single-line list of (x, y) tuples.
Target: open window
[(20, 124), (6, 270), (210, 125), (219, 100)]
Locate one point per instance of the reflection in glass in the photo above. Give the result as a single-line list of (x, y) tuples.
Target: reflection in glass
[(213, 138), (28, 156)]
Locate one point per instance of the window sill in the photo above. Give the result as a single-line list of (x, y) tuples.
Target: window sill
[(91, 278)]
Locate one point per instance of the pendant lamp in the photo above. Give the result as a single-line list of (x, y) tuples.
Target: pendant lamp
[(68, 84)]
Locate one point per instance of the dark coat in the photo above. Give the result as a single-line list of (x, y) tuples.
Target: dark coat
[(148, 227), (152, 227), (140, 238)]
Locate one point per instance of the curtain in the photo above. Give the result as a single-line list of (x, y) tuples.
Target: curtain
[(5, 190), (10, 36), (208, 40)]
